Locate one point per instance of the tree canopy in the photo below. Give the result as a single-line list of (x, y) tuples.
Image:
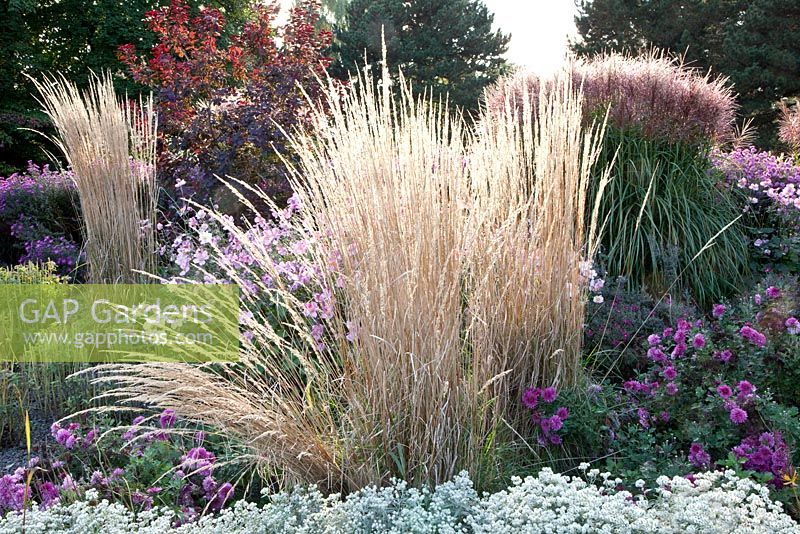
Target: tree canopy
[(71, 38), (441, 46), (755, 43)]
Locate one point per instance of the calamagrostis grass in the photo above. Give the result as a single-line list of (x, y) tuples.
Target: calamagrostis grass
[(455, 259), (789, 125), (526, 292), (110, 144)]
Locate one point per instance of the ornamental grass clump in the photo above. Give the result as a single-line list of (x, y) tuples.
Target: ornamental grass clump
[(789, 125), (661, 209), (110, 145), (416, 230), (535, 234), (653, 95)]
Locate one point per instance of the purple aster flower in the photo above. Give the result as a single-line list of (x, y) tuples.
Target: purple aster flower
[(753, 336), (49, 494), (745, 387), (792, 325), (757, 299), (556, 423), (167, 419), (672, 388), (773, 292), (724, 356), (725, 391), (644, 417), (670, 373), (530, 398), (653, 339), (698, 456), (738, 416), (718, 310), (89, 439), (97, 479), (656, 354), (767, 453), (562, 412), (223, 493), (699, 341), (549, 394)]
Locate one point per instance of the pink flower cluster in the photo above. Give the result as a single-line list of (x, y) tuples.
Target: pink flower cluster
[(766, 178), (69, 437), (753, 336), (746, 391), (207, 252), (548, 425)]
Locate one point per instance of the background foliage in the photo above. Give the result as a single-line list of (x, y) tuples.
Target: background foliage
[(445, 46), (71, 37), (755, 43)]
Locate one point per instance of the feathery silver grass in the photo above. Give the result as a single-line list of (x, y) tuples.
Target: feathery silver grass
[(454, 258), (110, 144)]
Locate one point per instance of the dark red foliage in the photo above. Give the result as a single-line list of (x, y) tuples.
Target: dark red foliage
[(222, 96)]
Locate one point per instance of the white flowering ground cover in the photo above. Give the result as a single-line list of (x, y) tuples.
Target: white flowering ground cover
[(713, 502)]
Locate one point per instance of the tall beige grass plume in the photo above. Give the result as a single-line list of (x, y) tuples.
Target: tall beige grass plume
[(455, 258), (110, 144)]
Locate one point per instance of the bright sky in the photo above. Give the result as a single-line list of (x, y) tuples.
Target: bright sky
[(538, 28)]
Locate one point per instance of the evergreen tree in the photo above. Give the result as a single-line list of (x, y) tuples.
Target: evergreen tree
[(761, 54), (441, 46)]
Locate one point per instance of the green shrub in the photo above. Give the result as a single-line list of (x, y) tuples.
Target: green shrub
[(661, 208)]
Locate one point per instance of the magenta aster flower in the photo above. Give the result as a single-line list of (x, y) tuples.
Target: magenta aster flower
[(746, 388), (773, 292), (753, 336), (656, 354), (556, 423), (718, 310), (530, 398), (738, 416), (653, 339), (670, 373), (724, 356), (699, 341), (792, 325), (672, 388), (562, 412), (167, 418), (549, 394), (725, 391), (698, 456)]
